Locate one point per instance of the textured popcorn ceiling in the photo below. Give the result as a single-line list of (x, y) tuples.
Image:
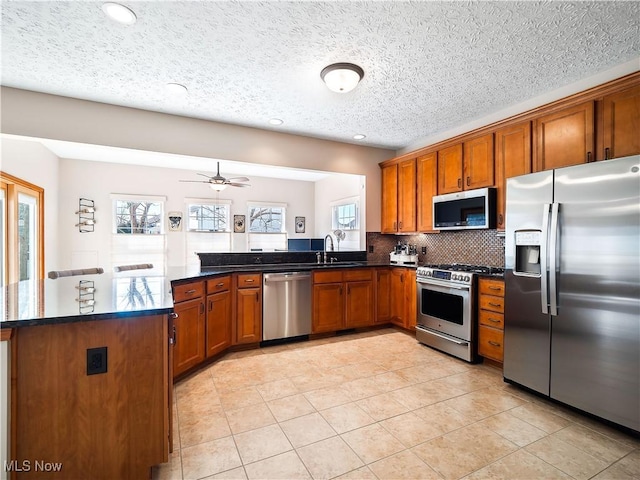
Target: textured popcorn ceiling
[(429, 66)]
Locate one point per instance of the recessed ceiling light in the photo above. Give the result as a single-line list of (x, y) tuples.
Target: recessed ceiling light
[(359, 136), (176, 89), (275, 121), (119, 13)]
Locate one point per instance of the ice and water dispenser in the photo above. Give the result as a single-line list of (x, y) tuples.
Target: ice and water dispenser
[(528, 252)]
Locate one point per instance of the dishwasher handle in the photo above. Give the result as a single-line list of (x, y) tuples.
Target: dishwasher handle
[(286, 276)]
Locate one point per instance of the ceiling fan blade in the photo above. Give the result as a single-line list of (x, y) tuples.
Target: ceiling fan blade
[(234, 184), (238, 179), (208, 176), (194, 181)]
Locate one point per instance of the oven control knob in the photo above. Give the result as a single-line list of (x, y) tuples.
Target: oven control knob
[(428, 273), (467, 278), (454, 276)]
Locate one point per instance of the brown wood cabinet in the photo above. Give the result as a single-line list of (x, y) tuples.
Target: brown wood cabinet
[(189, 327), (249, 308), (103, 426), (342, 299), (478, 164), (399, 197), (403, 297), (565, 137), (491, 318), (218, 323), (383, 295), (513, 158), (450, 169), (621, 124), (427, 179)]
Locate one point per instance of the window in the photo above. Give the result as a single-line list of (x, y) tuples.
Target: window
[(208, 217), (22, 220), (266, 225), (138, 216), (345, 216), (138, 229), (208, 228)]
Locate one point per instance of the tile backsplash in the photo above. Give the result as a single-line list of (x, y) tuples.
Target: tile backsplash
[(475, 247)]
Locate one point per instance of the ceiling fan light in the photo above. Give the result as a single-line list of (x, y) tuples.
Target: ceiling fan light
[(218, 187), (342, 77), (119, 13)]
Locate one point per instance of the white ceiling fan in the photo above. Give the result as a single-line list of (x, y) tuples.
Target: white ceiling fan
[(219, 183)]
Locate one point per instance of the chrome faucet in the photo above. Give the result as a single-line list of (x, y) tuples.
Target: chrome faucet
[(325, 245)]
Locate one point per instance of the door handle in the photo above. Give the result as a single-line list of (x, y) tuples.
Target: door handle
[(495, 304), (589, 157), (553, 259), (493, 320), (544, 255), (220, 285), (190, 292), (173, 339), (495, 344), (210, 305), (201, 307), (459, 183), (468, 181), (607, 153)]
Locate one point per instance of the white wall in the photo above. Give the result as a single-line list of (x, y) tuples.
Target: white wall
[(40, 115), (32, 162), (98, 180), (339, 187)]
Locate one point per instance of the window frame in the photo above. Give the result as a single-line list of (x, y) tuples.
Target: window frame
[(270, 205), (117, 197), (344, 202), (189, 202)]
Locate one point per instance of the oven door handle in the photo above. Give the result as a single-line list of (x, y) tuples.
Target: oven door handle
[(445, 337), (442, 284)]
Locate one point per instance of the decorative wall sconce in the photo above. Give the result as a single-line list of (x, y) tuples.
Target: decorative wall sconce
[(86, 215), (86, 296)]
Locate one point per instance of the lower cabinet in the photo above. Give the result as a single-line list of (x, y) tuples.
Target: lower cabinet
[(342, 299), (383, 295), (189, 334), (248, 308), (218, 325), (491, 319), (403, 297)]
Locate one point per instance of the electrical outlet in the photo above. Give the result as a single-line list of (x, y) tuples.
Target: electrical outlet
[(424, 250), (96, 360), (370, 248)]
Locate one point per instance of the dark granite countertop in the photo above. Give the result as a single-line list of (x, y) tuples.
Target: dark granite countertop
[(118, 295)]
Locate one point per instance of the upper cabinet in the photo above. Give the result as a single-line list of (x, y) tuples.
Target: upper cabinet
[(513, 158), (466, 166), (621, 119), (399, 197), (427, 173), (565, 137)]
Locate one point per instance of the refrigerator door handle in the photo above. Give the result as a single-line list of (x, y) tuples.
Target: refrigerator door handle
[(544, 256), (553, 259)]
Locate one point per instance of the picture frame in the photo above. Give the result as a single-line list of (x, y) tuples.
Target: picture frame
[(238, 223), (300, 224)]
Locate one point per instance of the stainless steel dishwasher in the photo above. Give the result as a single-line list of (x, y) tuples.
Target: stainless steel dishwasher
[(286, 305)]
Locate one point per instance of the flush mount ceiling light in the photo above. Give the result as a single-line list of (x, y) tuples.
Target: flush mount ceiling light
[(176, 89), (342, 77), (359, 136), (275, 121), (119, 13)]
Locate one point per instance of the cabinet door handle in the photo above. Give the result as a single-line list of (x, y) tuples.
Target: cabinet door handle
[(173, 339), (221, 284), (468, 181), (494, 344), (210, 305), (257, 297), (395, 226), (348, 290), (249, 280), (607, 153), (495, 304), (400, 226), (340, 290), (493, 320), (190, 292), (459, 182), (174, 315), (500, 219), (589, 159), (201, 307), (494, 288)]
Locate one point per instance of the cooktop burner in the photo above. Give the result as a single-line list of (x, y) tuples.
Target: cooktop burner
[(461, 267)]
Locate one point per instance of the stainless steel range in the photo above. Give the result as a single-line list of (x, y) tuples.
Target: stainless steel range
[(446, 308)]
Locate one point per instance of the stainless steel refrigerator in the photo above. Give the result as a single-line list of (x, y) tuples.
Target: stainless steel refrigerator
[(572, 273)]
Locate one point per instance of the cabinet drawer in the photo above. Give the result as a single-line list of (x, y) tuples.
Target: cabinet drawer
[(359, 275), (489, 302), (187, 291), (327, 276), (492, 287), (219, 284), (491, 319), (490, 343), (246, 280)]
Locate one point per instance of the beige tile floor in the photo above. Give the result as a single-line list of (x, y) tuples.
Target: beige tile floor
[(378, 405)]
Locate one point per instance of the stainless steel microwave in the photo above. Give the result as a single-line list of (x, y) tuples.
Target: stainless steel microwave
[(468, 210)]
